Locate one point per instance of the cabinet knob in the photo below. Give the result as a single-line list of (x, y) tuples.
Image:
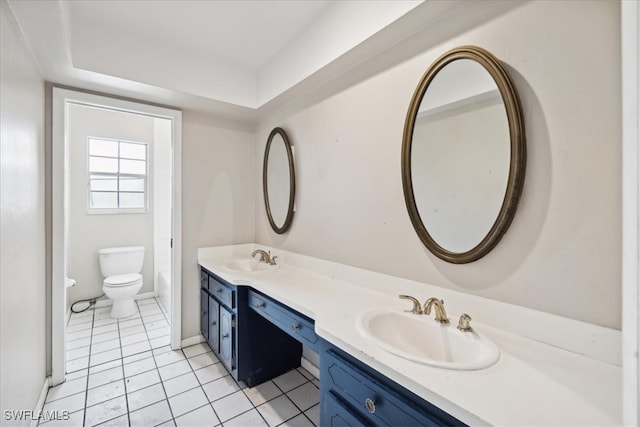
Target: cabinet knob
[(294, 328), (371, 405), (260, 304)]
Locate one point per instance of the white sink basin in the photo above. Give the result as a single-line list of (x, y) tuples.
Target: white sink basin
[(421, 339), (249, 265)]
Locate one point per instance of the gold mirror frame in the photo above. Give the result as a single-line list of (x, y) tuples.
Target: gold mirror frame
[(292, 181), (517, 146)]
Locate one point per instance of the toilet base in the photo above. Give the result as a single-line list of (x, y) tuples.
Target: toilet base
[(123, 308)]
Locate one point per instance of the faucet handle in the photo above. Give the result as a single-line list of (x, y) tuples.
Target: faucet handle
[(417, 309), (273, 259), (463, 323)]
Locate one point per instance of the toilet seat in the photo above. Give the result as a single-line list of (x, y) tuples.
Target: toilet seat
[(122, 280)]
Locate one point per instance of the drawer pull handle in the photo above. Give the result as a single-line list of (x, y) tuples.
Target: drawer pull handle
[(225, 336), (260, 304), (213, 323), (218, 291), (371, 405), (294, 328)]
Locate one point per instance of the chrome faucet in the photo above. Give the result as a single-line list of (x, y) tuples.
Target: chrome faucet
[(417, 309), (441, 314), (265, 256)]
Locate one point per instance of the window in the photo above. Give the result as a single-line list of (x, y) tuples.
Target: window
[(117, 176)]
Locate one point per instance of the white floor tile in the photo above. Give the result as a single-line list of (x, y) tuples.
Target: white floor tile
[(79, 327), (232, 406), (139, 366), (308, 375), (169, 423), (105, 321), (139, 347), (156, 324), (132, 330), (70, 336), (104, 329), (105, 346), (220, 388), (299, 421), (105, 377), (77, 374), (168, 357), (151, 415), (82, 342), (142, 380), (134, 338), (145, 397), (160, 332), (290, 380), (105, 411), (305, 396), (105, 366), (262, 393), (180, 384), (72, 403), (159, 351), (153, 317), (250, 418), (124, 324), (211, 372), (174, 369), (77, 364), (160, 341), (201, 417), (314, 414), (105, 337), (202, 360), (121, 421), (187, 401), (137, 356), (105, 392), (67, 388), (195, 350), (105, 356), (278, 410)]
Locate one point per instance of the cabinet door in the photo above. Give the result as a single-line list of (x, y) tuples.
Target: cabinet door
[(204, 314), (227, 337), (335, 414), (214, 325)]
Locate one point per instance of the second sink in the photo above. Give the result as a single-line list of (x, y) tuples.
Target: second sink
[(420, 339), (249, 265)]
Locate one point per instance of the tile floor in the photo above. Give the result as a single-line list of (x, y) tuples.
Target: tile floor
[(123, 373)]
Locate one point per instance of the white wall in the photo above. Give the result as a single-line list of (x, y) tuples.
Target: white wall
[(87, 233), (162, 206), (23, 309), (562, 253), (219, 181)]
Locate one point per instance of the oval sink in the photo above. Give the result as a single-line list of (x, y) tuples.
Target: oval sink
[(249, 265), (421, 339)]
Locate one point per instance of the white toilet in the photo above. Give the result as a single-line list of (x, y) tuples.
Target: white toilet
[(121, 268)]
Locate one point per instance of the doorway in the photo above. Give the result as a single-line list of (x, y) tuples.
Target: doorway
[(164, 258)]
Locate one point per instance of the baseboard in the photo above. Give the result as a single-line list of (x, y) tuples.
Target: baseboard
[(309, 366), (192, 341), (107, 302), (40, 403)]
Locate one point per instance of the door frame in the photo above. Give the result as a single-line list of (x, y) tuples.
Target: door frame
[(61, 97)]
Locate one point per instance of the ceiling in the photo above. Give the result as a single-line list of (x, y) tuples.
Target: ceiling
[(239, 60)]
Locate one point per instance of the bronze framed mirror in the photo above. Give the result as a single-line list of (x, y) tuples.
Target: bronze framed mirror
[(279, 180), (463, 155)]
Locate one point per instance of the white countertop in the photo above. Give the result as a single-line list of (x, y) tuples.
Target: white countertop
[(532, 384)]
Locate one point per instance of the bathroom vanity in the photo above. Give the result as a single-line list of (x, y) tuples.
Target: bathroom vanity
[(257, 321)]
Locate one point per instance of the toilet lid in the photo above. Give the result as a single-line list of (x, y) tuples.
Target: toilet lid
[(122, 279)]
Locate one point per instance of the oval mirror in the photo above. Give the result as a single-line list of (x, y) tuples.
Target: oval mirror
[(278, 180), (463, 155)]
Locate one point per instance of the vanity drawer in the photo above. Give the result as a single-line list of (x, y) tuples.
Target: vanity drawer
[(222, 292), (375, 398), (295, 324)]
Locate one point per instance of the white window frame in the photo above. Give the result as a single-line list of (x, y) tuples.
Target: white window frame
[(116, 176)]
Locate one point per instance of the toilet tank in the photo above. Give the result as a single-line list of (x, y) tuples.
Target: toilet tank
[(122, 260)]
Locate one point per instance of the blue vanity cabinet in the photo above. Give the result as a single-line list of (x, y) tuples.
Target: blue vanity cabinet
[(204, 313), (251, 348), (353, 394)]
